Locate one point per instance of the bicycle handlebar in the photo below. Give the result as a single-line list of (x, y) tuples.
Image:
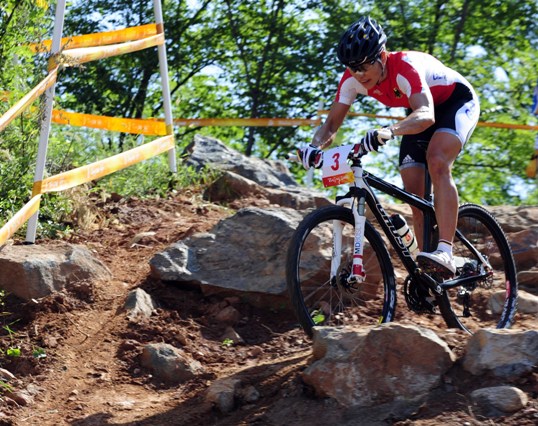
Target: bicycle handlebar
[(293, 157), (356, 153)]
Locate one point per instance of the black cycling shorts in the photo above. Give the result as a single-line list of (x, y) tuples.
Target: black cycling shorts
[(457, 115)]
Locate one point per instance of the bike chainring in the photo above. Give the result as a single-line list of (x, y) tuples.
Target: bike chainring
[(417, 297)]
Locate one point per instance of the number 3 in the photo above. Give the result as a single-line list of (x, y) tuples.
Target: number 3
[(336, 164)]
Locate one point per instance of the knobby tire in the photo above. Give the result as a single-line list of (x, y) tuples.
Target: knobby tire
[(493, 302), (318, 301)]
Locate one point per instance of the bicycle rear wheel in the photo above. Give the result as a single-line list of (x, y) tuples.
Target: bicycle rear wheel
[(492, 301), (319, 300)]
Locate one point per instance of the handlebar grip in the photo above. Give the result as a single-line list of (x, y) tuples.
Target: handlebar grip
[(385, 133), (292, 157)]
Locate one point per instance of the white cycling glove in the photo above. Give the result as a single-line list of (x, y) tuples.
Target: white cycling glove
[(311, 156), (376, 138)]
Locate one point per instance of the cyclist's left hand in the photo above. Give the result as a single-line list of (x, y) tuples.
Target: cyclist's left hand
[(376, 138), (310, 155)]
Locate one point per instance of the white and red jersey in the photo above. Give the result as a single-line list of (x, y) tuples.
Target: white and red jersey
[(407, 73)]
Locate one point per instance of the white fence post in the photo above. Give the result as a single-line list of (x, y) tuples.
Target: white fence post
[(46, 119), (163, 67)]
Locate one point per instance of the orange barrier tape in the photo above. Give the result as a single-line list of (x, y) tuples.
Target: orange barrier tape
[(19, 219), (262, 122), (87, 54), (480, 123), (82, 175), (126, 125), (100, 39), (31, 96), (506, 125), (104, 167)]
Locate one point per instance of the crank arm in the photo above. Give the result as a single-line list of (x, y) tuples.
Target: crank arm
[(432, 284)]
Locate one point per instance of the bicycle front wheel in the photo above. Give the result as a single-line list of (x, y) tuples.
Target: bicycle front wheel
[(319, 299), (492, 300)]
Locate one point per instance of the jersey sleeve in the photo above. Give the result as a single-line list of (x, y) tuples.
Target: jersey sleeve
[(409, 80), (348, 89)]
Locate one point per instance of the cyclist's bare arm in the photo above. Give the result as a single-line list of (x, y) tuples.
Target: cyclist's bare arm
[(420, 119), (326, 133)]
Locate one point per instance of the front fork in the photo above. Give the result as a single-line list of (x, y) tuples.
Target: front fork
[(357, 273)]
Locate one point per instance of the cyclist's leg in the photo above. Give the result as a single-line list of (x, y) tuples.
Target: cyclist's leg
[(455, 121), (413, 180), (442, 152), (443, 149), (412, 169)]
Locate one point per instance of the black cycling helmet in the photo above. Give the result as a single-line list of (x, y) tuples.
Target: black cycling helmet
[(362, 42)]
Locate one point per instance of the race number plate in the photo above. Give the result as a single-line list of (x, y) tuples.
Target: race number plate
[(336, 171)]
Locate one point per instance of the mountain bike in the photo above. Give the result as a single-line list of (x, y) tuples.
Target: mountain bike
[(339, 270)]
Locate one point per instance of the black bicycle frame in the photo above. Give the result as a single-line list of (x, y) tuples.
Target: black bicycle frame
[(384, 219), (424, 204)]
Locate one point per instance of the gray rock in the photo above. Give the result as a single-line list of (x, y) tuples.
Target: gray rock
[(505, 353), (169, 364), (246, 252), (375, 365), (221, 394), (526, 303), (528, 279), (499, 400), (209, 152), (525, 247), (515, 219), (139, 303), (34, 271), (231, 186)]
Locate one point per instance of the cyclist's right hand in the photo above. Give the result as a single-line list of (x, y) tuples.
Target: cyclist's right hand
[(311, 156), (375, 138)]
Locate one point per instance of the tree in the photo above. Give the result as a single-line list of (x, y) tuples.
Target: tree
[(20, 22), (276, 58), (495, 45)]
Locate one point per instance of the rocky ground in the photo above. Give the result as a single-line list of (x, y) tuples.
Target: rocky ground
[(79, 360)]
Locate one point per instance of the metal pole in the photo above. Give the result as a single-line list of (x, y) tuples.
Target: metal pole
[(163, 67), (46, 119)]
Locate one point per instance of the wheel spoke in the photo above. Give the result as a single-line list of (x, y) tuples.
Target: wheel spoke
[(318, 299), (490, 300)]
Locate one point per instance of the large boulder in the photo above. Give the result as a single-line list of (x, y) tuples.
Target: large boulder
[(503, 353), (209, 152), (375, 365), (34, 271), (246, 252)]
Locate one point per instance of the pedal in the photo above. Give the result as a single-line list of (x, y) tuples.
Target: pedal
[(434, 269)]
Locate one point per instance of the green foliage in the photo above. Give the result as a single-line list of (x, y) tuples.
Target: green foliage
[(227, 343), (6, 387), (153, 178), (17, 156), (13, 352), (317, 317), (21, 23), (39, 353)]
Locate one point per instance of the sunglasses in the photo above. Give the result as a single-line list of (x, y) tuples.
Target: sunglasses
[(362, 67)]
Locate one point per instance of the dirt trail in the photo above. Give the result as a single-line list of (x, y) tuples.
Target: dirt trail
[(92, 374)]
